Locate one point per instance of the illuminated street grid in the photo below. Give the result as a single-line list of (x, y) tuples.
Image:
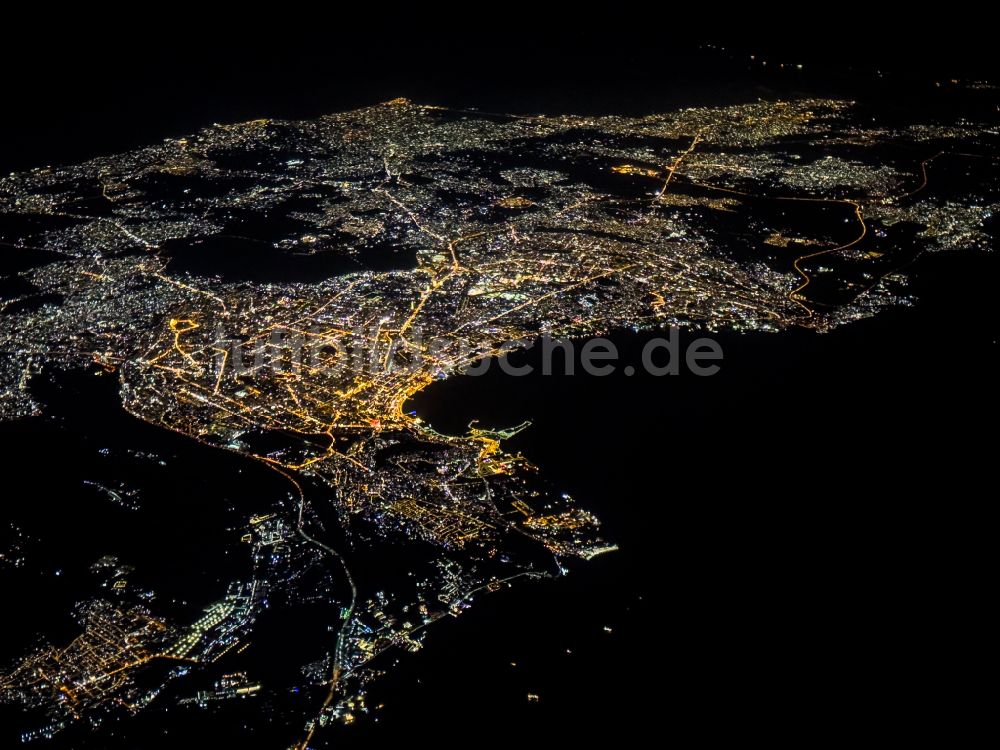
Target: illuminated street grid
[(457, 232)]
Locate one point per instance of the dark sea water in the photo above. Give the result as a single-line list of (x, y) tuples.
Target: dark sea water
[(783, 525)]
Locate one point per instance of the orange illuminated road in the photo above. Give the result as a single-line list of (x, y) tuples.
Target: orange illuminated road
[(796, 294), (677, 162), (338, 649)]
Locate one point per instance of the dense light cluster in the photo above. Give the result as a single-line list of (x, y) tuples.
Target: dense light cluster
[(224, 276)]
